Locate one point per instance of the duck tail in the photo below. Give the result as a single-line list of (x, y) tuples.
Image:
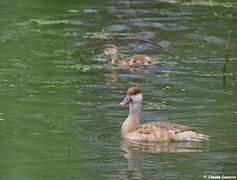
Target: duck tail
[(191, 136)]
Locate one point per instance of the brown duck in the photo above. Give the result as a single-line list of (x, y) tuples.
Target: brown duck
[(153, 131), (111, 51)]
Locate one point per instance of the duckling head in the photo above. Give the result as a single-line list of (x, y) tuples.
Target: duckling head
[(111, 51)]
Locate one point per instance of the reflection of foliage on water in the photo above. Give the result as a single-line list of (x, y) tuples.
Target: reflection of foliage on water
[(208, 3)]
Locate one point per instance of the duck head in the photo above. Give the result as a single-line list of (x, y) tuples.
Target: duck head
[(134, 100), (111, 50), (134, 95)]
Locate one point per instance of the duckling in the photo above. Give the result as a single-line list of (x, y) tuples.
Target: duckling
[(153, 131), (111, 51)]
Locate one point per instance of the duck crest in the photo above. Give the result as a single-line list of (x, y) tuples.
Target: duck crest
[(133, 91)]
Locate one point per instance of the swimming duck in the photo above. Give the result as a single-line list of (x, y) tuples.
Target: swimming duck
[(111, 51), (153, 131)]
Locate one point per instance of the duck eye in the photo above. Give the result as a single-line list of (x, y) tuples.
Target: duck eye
[(129, 99)]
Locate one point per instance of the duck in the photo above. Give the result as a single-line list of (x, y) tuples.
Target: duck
[(133, 130), (111, 51)]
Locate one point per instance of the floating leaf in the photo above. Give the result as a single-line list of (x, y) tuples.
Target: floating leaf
[(41, 22)]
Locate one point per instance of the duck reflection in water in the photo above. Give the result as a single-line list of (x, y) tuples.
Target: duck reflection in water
[(132, 149), (153, 137), (164, 131)]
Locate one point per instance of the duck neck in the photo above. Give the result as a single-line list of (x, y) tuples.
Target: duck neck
[(114, 59), (133, 120), (134, 112)]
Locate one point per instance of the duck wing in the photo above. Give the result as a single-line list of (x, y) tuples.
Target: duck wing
[(165, 132), (152, 132), (176, 128), (184, 133)]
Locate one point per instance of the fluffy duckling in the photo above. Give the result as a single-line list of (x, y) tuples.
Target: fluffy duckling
[(111, 51), (153, 131)]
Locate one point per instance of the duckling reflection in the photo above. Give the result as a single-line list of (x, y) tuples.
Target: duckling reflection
[(137, 70), (114, 78), (131, 150)]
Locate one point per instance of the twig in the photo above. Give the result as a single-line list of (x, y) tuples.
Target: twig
[(134, 38), (93, 45), (146, 41), (68, 162), (227, 58), (153, 43)]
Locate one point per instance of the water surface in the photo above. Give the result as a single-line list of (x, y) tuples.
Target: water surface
[(59, 113)]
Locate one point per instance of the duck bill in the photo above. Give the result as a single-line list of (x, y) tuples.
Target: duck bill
[(126, 101), (102, 55)]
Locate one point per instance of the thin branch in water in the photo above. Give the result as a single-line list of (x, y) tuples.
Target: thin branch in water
[(227, 58), (133, 38), (94, 44), (68, 162), (146, 41), (153, 43)]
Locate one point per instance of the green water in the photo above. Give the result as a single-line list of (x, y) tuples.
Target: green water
[(59, 113)]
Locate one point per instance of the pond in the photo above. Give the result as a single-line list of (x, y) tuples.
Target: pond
[(59, 113)]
